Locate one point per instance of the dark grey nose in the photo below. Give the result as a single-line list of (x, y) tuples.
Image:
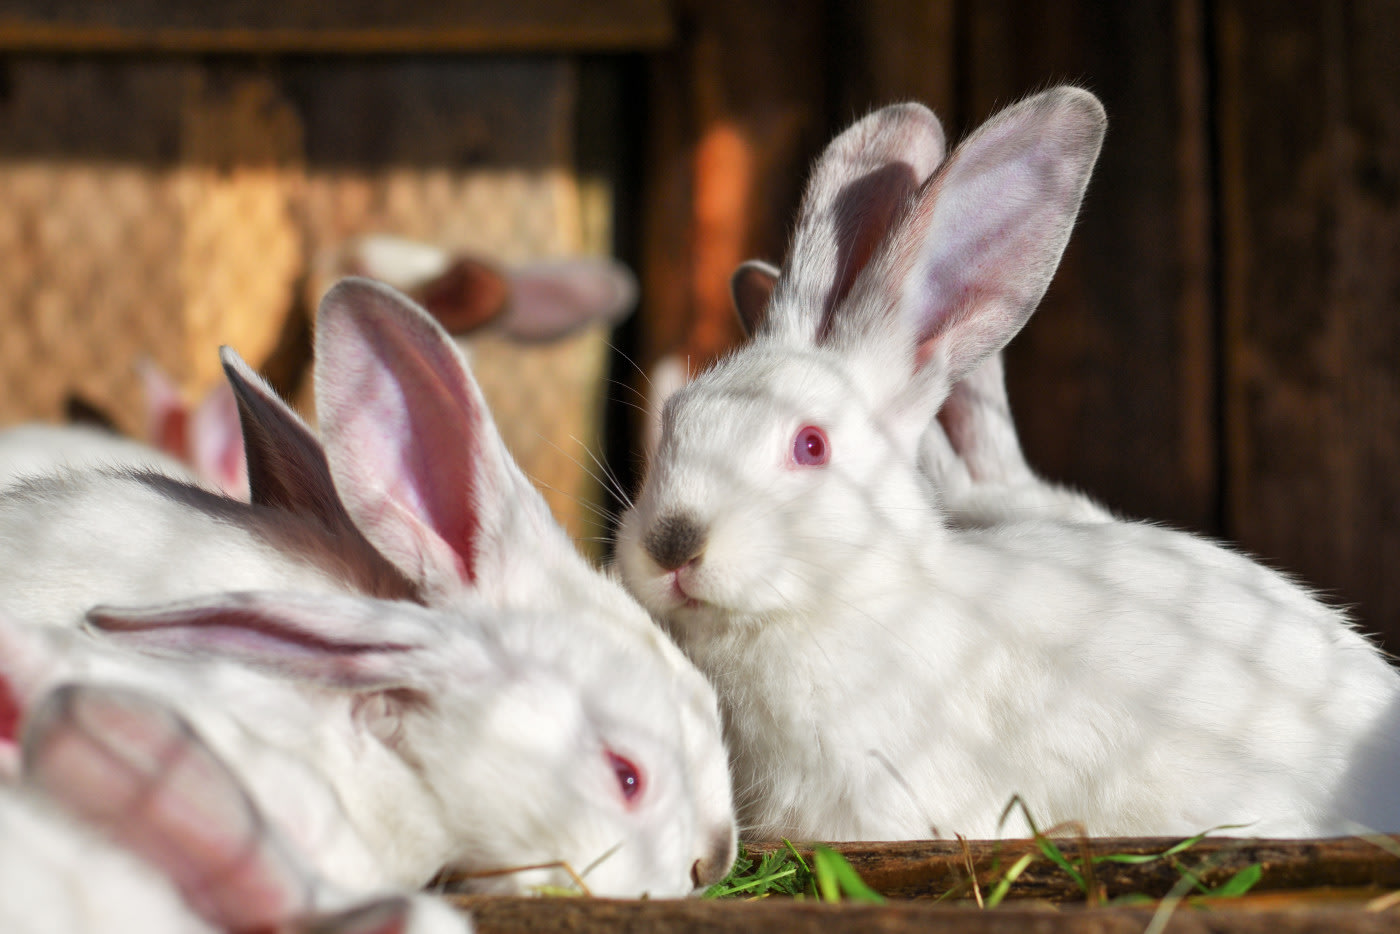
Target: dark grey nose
[(714, 866), (675, 540)]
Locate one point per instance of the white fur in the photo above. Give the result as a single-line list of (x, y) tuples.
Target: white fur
[(127, 770), (59, 877), (885, 675), (37, 449), (972, 456), (464, 741), (422, 479)]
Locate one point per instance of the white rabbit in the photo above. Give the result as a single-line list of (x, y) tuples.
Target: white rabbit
[(463, 741), (421, 473), (123, 765), (419, 468), (886, 676), (444, 742), (971, 451)]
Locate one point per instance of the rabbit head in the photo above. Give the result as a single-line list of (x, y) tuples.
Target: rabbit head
[(790, 468), (467, 740), (424, 475)]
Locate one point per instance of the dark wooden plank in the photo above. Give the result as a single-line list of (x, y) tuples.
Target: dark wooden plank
[(893, 51), (1310, 141), (1112, 382), (494, 915), (731, 138), (264, 26)]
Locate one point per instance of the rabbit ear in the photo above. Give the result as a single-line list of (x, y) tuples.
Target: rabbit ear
[(418, 462), (752, 287), (123, 762), (550, 300), (979, 427), (167, 413), (974, 254), (216, 442), (858, 188), (287, 466), (25, 659), (466, 295), (341, 642)]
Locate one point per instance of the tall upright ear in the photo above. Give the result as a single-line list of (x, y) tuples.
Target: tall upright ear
[(752, 287), (858, 187), (336, 641), (287, 467), (415, 456), (970, 261), (131, 766), (555, 298)]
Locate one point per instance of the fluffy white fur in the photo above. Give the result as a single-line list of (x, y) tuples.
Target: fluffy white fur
[(413, 497), (887, 675), (107, 767)]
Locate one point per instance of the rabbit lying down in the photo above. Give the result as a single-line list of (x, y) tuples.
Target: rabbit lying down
[(375, 727), (887, 673), (127, 821), (414, 496)]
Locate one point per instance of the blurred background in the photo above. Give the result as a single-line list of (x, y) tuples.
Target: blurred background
[(1220, 350)]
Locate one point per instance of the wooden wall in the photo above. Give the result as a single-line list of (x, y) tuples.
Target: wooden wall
[(1221, 347)]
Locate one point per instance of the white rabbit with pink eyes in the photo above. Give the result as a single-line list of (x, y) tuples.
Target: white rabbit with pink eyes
[(391, 741), (886, 675)]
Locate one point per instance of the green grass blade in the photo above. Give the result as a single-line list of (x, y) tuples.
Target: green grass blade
[(1011, 876), (836, 878), (1238, 884)]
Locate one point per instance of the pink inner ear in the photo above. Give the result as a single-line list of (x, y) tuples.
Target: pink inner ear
[(133, 767), (9, 714), (411, 448), (9, 731), (864, 212)]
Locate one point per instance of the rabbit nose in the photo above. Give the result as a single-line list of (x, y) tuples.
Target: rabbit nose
[(674, 541), (714, 866)]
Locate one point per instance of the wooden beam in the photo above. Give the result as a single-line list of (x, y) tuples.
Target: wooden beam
[(935, 868), (350, 26), (499, 915)]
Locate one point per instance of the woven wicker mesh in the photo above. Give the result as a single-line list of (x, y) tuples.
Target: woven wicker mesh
[(161, 209)]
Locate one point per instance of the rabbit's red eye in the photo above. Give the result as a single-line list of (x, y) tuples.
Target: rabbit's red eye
[(810, 448), (629, 777)]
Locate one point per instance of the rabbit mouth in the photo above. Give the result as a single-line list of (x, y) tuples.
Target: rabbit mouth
[(678, 592)]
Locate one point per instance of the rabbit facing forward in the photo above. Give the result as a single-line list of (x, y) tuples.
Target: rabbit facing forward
[(886, 673)]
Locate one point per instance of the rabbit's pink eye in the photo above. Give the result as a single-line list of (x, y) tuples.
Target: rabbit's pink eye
[(629, 777), (810, 448)]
